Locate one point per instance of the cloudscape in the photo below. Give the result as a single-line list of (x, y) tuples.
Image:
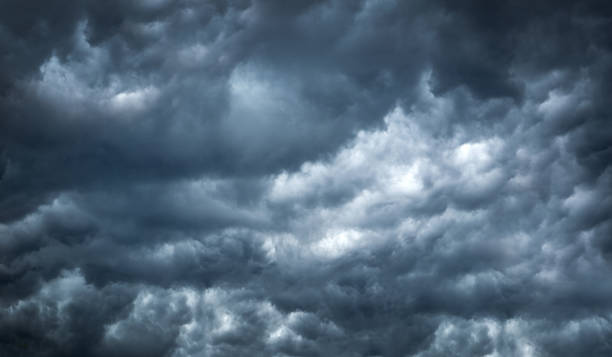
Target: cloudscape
[(305, 178)]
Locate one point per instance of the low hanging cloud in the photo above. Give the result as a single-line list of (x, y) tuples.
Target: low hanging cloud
[(322, 178)]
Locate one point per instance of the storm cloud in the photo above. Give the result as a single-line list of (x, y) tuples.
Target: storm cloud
[(308, 178)]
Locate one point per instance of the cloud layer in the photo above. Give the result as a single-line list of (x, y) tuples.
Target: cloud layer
[(323, 178)]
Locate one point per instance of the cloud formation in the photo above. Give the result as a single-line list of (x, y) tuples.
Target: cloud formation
[(322, 178)]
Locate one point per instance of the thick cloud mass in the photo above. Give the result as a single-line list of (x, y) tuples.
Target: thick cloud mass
[(309, 178)]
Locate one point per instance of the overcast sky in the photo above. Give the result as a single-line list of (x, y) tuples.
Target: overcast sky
[(305, 178)]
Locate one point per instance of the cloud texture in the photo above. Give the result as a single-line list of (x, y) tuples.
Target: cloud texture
[(310, 178)]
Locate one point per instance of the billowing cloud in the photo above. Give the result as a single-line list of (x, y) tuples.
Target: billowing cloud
[(322, 178)]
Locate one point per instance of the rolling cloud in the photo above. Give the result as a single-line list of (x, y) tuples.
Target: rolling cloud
[(310, 178)]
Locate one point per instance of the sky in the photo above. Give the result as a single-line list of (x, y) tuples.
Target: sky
[(305, 178)]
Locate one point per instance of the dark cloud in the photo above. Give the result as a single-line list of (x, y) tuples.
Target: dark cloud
[(272, 178)]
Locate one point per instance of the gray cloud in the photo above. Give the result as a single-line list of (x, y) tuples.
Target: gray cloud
[(250, 178)]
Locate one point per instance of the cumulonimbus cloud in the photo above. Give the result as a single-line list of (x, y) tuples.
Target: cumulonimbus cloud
[(258, 178)]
